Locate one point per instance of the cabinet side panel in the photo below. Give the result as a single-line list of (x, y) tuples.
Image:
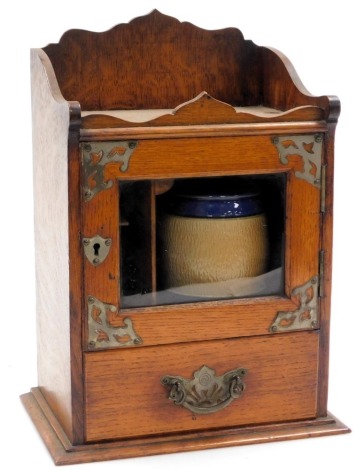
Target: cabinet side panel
[(50, 137), (327, 243)]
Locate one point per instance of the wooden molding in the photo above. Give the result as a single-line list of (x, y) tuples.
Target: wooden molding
[(63, 453)]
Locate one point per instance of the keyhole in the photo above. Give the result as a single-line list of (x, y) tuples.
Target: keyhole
[(96, 247)]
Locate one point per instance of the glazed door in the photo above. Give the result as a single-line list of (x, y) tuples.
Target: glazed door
[(200, 239)]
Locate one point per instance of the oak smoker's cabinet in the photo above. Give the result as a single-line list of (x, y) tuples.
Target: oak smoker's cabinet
[(183, 209)]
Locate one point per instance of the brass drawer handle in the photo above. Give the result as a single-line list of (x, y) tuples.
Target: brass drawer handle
[(205, 393)]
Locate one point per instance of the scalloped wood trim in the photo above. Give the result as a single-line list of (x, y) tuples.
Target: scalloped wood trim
[(204, 109), (156, 61)]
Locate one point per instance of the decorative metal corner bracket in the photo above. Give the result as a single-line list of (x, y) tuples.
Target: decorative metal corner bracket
[(103, 335), (306, 316), (308, 148), (205, 393), (96, 156), (96, 249)]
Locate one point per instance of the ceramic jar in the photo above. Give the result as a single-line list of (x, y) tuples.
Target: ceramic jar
[(213, 237)]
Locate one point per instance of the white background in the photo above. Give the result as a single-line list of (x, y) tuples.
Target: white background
[(319, 39)]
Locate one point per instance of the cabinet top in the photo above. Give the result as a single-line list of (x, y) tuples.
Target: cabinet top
[(155, 62)]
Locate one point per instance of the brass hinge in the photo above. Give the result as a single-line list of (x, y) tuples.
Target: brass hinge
[(321, 273)]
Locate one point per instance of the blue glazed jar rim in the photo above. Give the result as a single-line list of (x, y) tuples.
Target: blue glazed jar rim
[(216, 205), (217, 196)]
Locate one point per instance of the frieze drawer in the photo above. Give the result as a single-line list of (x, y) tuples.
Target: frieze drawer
[(135, 392)]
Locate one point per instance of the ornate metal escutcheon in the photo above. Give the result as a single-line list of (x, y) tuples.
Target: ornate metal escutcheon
[(205, 393), (96, 249)]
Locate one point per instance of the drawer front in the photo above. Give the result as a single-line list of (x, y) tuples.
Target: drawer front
[(125, 396)]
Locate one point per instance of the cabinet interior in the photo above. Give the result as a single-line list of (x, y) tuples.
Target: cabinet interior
[(144, 208)]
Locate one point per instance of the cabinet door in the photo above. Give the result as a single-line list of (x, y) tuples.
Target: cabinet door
[(157, 276)]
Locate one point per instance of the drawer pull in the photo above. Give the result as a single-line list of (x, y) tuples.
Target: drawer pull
[(205, 393)]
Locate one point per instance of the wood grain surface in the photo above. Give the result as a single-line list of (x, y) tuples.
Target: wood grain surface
[(203, 110), (124, 396), (63, 453), (201, 157), (327, 246), (50, 142), (184, 59), (225, 100)]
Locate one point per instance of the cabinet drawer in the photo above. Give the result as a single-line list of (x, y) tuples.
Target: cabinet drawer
[(125, 396)]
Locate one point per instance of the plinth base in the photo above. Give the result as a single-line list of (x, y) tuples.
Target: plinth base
[(64, 453)]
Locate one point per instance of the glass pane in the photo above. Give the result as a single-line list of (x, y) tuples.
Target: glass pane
[(199, 239)]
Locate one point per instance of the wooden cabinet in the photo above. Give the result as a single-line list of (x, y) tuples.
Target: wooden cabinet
[(164, 324)]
